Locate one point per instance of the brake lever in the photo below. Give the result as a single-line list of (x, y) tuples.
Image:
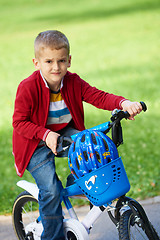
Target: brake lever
[(63, 143), (118, 115)]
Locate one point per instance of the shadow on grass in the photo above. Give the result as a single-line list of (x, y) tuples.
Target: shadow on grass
[(99, 13)]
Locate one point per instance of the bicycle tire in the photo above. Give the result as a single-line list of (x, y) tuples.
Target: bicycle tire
[(21, 202), (127, 222)]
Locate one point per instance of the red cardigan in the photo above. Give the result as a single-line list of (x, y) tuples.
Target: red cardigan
[(32, 105)]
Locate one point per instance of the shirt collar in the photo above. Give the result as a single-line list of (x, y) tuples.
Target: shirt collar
[(46, 84)]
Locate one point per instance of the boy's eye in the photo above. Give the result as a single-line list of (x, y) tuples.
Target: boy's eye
[(48, 61), (63, 60)]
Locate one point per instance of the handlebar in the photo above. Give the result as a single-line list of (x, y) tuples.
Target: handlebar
[(118, 115), (144, 106), (64, 143)]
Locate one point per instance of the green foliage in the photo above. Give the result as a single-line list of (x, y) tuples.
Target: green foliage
[(114, 46)]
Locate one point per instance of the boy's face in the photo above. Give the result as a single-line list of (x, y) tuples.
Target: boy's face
[(53, 65)]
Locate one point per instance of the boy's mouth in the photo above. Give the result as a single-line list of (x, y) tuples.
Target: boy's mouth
[(55, 73)]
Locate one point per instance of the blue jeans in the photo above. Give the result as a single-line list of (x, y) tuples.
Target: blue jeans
[(42, 168)]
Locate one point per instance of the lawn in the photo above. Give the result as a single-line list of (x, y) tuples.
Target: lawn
[(114, 46)]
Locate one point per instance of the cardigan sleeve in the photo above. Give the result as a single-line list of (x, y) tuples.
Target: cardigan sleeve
[(99, 98), (22, 117)]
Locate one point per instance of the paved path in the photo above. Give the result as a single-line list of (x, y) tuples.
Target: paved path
[(103, 229), (109, 231)]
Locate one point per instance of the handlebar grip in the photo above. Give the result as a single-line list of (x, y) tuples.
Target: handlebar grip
[(63, 143), (144, 106)]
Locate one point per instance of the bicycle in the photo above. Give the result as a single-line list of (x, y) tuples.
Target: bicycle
[(126, 213)]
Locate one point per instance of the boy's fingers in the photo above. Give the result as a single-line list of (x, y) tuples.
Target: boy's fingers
[(131, 118), (137, 108), (51, 141), (134, 109), (54, 151), (54, 148)]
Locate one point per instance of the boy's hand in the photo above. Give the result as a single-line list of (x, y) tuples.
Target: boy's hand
[(51, 141), (133, 108)]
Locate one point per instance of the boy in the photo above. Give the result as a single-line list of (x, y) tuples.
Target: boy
[(49, 104)]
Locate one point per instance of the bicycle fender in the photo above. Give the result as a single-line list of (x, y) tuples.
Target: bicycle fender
[(29, 187)]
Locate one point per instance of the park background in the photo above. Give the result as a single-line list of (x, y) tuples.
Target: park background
[(115, 47)]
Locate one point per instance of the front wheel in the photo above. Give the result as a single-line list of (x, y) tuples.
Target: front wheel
[(131, 227)]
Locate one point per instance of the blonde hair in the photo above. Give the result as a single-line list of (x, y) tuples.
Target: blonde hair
[(53, 39)]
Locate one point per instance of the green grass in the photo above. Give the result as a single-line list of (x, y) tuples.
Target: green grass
[(114, 46)]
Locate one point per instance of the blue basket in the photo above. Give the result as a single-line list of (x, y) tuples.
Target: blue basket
[(105, 184)]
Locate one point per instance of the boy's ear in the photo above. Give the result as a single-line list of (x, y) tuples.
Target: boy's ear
[(36, 63), (69, 61)]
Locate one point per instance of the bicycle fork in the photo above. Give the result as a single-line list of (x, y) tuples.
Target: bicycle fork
[(139, 214)]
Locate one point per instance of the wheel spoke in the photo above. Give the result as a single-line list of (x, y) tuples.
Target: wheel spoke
[(137, 232), (24, 213)]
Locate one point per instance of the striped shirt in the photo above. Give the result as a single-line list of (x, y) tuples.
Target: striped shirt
[(59, 115)]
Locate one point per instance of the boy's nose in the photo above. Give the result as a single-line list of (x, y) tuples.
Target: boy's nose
[(56, 66)]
